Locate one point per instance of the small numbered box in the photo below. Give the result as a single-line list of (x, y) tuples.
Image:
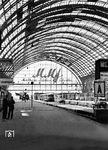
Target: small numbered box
[(9, 133)]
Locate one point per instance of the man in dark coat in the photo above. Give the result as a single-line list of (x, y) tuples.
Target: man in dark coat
[(11, 103), (5, 107)]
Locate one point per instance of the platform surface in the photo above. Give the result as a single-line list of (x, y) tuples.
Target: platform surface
[(51, 128)]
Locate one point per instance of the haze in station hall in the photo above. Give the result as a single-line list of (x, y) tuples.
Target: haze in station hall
[(47, 77)]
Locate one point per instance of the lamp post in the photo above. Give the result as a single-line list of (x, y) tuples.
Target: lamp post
[(32, 94)]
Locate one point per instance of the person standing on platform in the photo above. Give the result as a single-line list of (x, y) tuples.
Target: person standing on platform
[(11, 103), (5, 107)]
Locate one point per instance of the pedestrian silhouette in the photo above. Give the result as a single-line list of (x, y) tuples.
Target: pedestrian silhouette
[(11, 103), (5, 107)]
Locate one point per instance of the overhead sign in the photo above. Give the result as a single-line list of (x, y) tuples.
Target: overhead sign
[(5, 81), (101, 65), (42, 73), (104, 63), (104, 76), (99, 88)]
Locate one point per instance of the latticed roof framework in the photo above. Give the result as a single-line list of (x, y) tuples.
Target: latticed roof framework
[(71, 32)]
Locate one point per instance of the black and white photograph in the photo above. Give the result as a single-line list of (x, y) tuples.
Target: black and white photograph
[(53, 74)]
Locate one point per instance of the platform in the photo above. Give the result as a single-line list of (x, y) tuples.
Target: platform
[(51, 128), (82, 110)]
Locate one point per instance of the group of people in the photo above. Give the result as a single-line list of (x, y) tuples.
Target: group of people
[(7, 107)]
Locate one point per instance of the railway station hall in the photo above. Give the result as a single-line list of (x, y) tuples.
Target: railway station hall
[(53, 74)]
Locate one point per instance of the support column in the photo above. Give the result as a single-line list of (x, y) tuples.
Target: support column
[(32, 94)]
